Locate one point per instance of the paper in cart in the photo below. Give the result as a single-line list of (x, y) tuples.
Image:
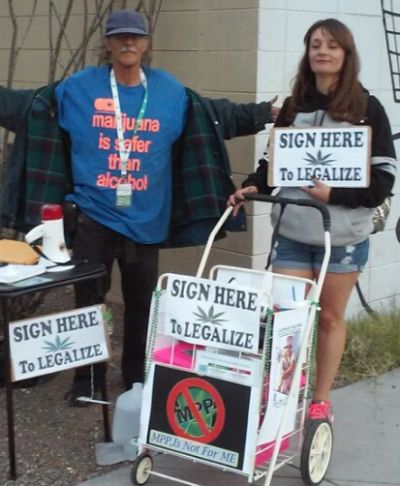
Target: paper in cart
[(288, 331), (228, 366)]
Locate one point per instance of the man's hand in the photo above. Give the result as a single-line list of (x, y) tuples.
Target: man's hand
[(274, 109), (237, 199)]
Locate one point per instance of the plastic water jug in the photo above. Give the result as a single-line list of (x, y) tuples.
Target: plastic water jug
[(126, 420)]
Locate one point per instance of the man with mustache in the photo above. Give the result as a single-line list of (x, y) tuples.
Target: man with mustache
[(148, 164), (123, 212)]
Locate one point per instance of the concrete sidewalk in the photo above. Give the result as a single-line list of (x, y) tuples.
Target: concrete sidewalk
[(366, 449)]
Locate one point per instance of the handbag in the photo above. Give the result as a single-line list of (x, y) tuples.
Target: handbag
[(381, 215)]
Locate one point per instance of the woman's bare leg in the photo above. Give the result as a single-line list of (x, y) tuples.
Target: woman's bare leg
[(334, 297)]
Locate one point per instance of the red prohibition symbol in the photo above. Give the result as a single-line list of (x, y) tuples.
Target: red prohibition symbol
[(185, 392)]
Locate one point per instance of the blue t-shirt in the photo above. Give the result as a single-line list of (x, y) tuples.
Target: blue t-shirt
[(86, 112)]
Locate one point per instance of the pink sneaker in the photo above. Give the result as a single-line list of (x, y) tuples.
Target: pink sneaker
[(320, 410)]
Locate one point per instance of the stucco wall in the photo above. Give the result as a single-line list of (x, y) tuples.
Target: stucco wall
[(33, 39), (216, 44), (245, 50)]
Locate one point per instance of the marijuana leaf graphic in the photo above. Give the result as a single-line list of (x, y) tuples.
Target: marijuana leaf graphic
[(319, 159), (58, 345), (209, 316)]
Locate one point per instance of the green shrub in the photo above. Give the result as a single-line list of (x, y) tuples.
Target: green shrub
[(373, 347)]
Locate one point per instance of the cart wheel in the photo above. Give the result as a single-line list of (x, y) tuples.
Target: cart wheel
[(316, 451), (141, 469)]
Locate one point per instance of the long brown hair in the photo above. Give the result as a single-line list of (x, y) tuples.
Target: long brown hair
[(347, 101)]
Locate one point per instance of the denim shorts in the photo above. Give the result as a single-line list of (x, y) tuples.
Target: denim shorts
[(344, 259)]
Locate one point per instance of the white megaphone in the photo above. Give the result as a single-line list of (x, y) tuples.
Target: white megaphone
[(54, 252)]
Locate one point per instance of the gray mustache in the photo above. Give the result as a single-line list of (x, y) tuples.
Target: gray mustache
[(128, 49)]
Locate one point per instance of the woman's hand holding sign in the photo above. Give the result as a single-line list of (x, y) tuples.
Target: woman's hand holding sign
[(319, 191)]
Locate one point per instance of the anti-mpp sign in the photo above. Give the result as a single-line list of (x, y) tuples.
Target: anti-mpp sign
[(195, 410)]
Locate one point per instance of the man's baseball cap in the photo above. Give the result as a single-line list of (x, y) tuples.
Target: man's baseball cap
[(126, 22)]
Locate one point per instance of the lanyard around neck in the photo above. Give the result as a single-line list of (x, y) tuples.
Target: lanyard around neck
[(124, 149)]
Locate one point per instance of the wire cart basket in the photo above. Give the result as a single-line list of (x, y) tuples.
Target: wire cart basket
[(228, 365)]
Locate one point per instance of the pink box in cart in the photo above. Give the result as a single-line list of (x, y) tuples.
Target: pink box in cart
[(180, 354), (264, 451)]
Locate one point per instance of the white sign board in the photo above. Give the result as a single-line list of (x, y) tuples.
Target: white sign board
[(211, 313), (55, 342), (339, 157), (204, 418)]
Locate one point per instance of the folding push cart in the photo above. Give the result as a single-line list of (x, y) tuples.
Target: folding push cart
[(228, 370)]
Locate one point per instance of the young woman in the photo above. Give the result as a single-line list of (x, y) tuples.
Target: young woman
[(327, 93)]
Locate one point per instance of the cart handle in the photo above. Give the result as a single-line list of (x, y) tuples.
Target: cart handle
[(211, 239), (326, 218)]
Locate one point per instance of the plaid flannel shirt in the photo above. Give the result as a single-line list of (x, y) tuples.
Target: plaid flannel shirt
[(201, 173), (201, 177), (48, 176)]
